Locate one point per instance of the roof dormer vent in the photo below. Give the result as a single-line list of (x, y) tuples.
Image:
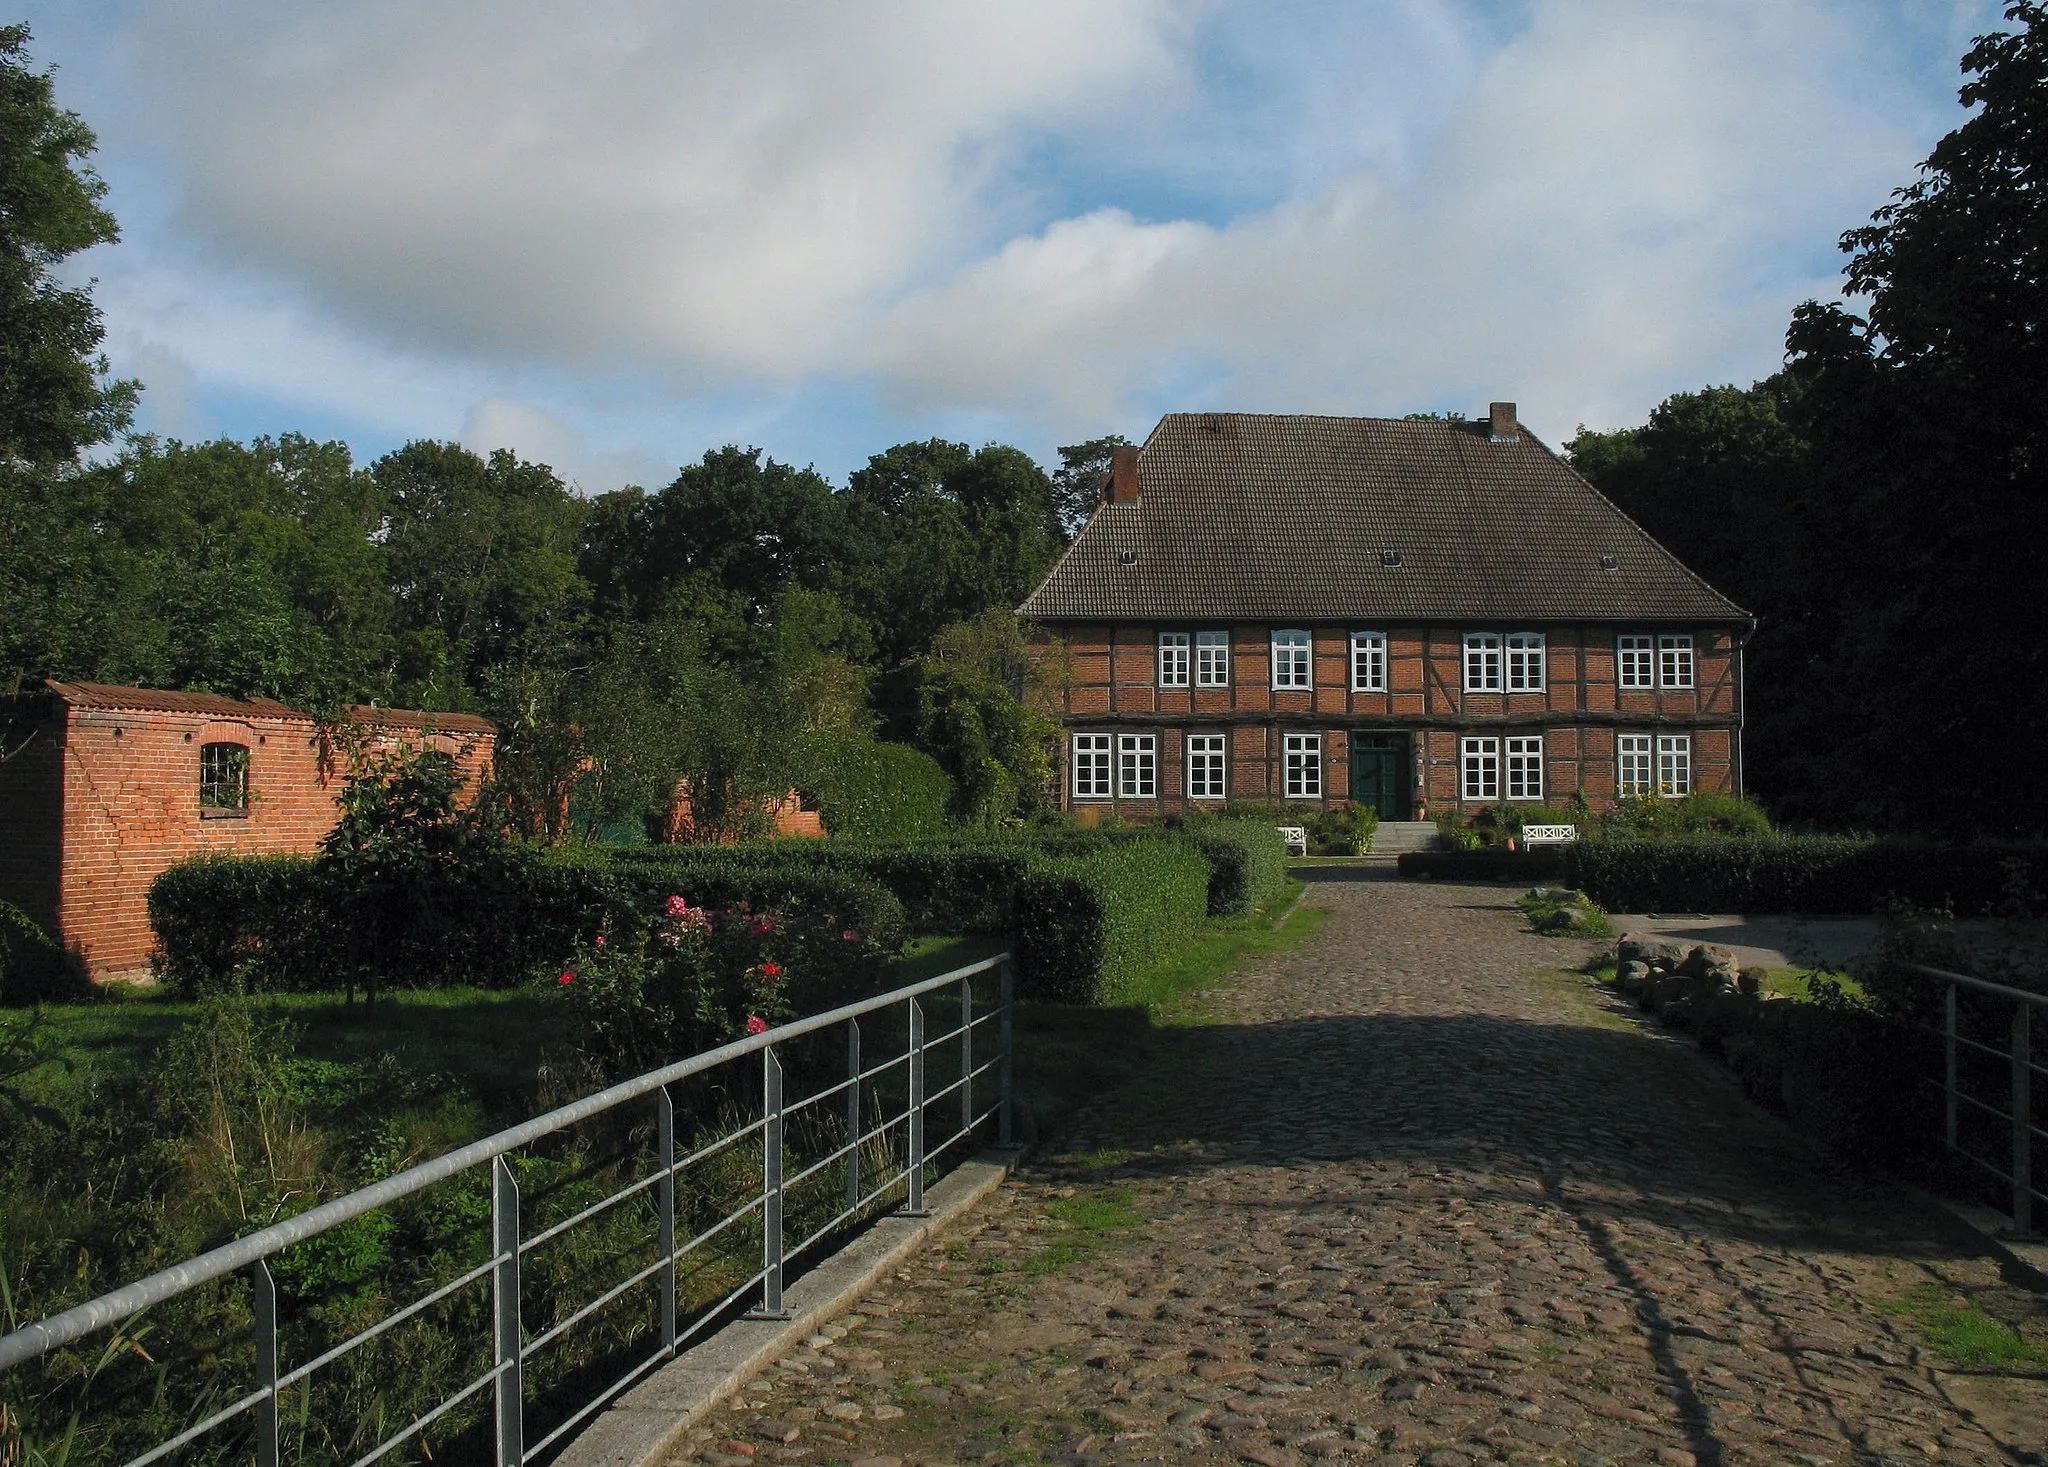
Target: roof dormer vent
[(1390, 558), (1127, 557), (1503, 416), (1610, 562)]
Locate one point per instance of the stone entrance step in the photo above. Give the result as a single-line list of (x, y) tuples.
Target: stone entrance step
[(1396, 836)]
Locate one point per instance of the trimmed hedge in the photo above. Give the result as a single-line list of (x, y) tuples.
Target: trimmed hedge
[(281, 923), (1492, 863), (875, 791), (1800, 873), (1087, 926)]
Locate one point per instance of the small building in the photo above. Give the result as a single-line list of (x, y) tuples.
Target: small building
[(1424, 616), (102, 788)]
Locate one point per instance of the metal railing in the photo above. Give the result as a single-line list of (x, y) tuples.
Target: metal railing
[(2014, 1072), (883, 1153)]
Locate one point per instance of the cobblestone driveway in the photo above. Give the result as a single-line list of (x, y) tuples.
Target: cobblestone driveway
[(1411, 1201)]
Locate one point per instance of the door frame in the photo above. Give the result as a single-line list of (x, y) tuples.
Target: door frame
[(1401, 743)]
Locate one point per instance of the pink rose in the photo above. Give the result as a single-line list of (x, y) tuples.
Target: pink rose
[(600, 939), (756, 1024), (677, 906), (850, 935)]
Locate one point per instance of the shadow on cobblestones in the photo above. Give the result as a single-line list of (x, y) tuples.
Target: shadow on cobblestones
[(1410, 1202)]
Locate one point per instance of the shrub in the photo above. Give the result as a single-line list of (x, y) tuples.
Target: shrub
[(942, 887), (1559, 911), (270, 923), (1488, 863), (700, 976), (1700, 813), (1086, 926), (875, 791), (1811, 873), (1344, 830), (1247, 865), (33, 968)]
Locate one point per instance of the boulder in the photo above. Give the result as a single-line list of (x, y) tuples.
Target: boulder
[(1562, 896), (1677, 1014), (1752, 981), (1631, 976), (1715, 964), (1638, 947)]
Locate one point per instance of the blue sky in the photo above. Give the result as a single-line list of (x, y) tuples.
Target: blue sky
[(614, 235)]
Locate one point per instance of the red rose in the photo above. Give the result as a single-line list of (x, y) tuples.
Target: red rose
[(566, 979)]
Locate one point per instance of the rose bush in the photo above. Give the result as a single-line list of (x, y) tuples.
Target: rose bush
[(696, 977)]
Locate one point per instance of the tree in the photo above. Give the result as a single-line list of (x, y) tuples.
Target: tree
[(1868, 502), (1077, 482), (983, 715), (54, 396)]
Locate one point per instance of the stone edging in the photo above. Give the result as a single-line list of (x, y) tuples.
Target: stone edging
[(648, 1422)]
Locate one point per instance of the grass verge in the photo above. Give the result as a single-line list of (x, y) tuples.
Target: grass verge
[(1960, 1329)]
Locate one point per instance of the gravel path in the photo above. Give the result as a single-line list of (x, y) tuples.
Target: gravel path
[(1417, 1197)]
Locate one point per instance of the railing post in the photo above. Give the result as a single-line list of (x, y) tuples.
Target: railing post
[(1006, 997), (2022, 1117), (265, 1290), (771, 1187), (915, 1206), (506, 1341), (852, 1114), (1949, 1037), (967, 1054), (665, 1199)]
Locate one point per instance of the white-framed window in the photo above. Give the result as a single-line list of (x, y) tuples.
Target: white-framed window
[(1173, 659), (1482, 662), (1636, 662), (1212, 659), (1479, 762), (1633, 772), (1291, 661), (1525, 768), (1205, 766), (1674, 661), (1674, 765), (1525, 662), (1302, 766), (1368, 662), (1091, 766), (1137, 766)]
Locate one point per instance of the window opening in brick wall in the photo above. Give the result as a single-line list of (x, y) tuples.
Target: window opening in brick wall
[(1525, 662), (1525, 768), (1137, 766), (1635, 657), (1674, 765), (1302, 767), (1212, 659), (1633, 771), (1206, 763), (1480, 760), (1674, 661), (1482, 662), (1368, 662), (1291, 660), (1173, 659), (224, 779), (1091, 766)]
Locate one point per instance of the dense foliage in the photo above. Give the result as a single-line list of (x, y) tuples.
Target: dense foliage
[(1865, 501), (1086, 926)]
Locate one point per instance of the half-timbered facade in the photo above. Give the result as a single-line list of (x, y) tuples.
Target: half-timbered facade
[(1421, 615)]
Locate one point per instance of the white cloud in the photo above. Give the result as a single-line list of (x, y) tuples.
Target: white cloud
[(707, 188), (1586, 234), (653, 226), (538, 436)]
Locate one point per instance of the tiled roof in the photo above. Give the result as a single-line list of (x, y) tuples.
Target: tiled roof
[(166, 700), (1247, 516)]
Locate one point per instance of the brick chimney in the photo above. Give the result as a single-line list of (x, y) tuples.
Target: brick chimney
[(1122, 486), (1503, 415)]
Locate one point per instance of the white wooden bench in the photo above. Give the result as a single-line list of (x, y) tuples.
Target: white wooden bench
[(1296, 838), (1549, 835)]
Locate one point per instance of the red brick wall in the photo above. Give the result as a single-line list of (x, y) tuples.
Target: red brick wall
[(131, 810), (1111, 684)]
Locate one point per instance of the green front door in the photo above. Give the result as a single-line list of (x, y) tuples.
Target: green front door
[(1382, 774)]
